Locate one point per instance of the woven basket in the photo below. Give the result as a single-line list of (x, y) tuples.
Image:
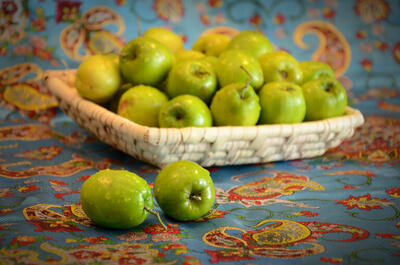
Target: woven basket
[(212, 146)]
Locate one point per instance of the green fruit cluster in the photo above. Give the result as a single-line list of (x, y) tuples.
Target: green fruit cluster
[(120, 199), (221, 81)]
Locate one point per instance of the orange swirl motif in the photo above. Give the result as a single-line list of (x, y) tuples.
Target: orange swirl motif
[(90, 26), (333, 47), (15, 73)]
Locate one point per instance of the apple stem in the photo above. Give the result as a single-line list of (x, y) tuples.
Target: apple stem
[(248, 73), (195, 197), (201, 72), (157, 215), (242, 94), (329, 87), (284, 74)]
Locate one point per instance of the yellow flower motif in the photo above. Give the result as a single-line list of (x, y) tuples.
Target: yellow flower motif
[(70, 240)]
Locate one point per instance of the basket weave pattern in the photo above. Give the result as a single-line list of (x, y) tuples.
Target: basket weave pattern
[(213, 146)]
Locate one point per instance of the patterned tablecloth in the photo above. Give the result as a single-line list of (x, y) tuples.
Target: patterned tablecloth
[(340, 208)]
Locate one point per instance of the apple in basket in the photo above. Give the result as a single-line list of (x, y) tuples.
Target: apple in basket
[(236, 104), (185, 111), (167, 37), (229, 68), (251, 41), (141, 104), (98, 78), (117, 199), (187, 54), (281, 102), (211, 44), (184, 190), (280, 66), (314, 69), (213, 61), (195, 77), (325, 98), (145, 61)]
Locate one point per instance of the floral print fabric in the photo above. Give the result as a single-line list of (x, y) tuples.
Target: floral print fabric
[(340, 208)]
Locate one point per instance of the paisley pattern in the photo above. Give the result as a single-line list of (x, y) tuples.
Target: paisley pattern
[(277, 239), (340, 208), (333, 47), (267, 190), (89, 30)]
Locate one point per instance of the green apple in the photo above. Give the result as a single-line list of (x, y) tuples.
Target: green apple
[(114, 57), (281, 102), (167, 37), (185, 111), (116, 199), (211, 44), (325, 98), (229, 68), (236, 104), (141, 104), (314, 69), (280, 66), (184, 190), (98, 78), (195, 77), (113, 105), (213, 61), (144, 61), (252, 41), (187, 54)]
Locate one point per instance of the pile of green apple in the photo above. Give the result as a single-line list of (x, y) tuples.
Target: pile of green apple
[(221, 81), (120, 199)]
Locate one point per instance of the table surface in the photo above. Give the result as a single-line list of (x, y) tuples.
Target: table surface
[(340, 208)]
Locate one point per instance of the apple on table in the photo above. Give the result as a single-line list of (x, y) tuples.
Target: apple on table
[(184, 190), (116, 199)]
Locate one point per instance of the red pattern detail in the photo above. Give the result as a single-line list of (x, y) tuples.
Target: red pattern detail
[(29, 188), (62, 194), (365, 202), (158, 229), (229, 255)]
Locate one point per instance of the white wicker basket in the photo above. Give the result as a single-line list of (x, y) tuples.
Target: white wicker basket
[(207, 146)]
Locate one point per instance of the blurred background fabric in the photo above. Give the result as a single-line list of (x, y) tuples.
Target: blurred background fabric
[(340, 208)]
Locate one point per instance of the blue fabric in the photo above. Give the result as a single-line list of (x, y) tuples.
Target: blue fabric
[(340, 208)]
